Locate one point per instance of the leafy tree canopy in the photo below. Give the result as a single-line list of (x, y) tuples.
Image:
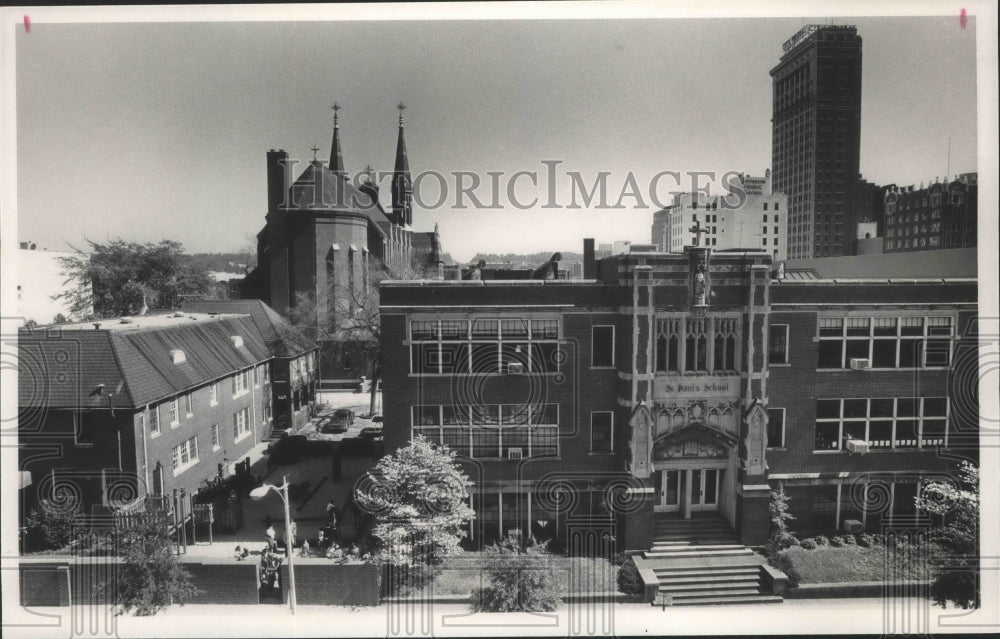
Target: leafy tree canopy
[(419, 496), (116, 276)]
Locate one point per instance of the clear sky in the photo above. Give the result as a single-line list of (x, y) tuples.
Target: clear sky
[(159, 130)]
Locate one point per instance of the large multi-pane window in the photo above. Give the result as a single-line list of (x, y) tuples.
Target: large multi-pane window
[(697, 344), (241, 382), (491, 431), (484, 345), (902, 422), (886, 342), (154, 420), (172, 413), (185, 455)]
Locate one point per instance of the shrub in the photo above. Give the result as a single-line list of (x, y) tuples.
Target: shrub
[(518, 581), (867, 540), (836, 542), (629, 581), (808, 544), (958, 587), (848, 540), (821, 540), (150, 577), (57, 525), (783, 562), (780, 541)]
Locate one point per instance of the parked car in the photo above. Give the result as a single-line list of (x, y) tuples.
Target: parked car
[(371, 432), (339, 422)]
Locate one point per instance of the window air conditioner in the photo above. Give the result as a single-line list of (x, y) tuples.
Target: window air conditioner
[(859, 446), (853, 526), (515, 453), (515, 368), (861, 363)]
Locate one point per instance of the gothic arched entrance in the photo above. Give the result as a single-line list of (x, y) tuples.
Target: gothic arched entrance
[(690, 466)]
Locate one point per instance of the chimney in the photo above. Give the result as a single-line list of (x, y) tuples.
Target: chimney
[(278, 178), (589, 263)]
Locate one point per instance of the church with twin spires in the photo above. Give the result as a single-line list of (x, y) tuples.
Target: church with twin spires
[(327, 237)]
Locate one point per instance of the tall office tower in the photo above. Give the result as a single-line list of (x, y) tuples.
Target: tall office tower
[(816, 136)]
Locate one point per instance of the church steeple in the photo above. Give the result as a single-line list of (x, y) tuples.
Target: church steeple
[(336, 156), (402, 187)]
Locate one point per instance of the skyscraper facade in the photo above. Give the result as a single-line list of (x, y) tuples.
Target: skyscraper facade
[(816, 136)]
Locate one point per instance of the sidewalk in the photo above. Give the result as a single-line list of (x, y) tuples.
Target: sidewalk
[(798, 617)]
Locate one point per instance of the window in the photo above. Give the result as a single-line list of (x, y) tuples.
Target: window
[(696, 346), (215, 437), (725, 344), (189, 404), (185, 455), (668, 341), (765, 208), (154, 420), (777, 344), (507, 346), (213, 394), (241, 424), (887, 342), (265, 411), (256, 376), (267, 374), (601, 432), (890, 423), (240, 385), (775, 427), (490, 431), (172, 410), (602, 344)]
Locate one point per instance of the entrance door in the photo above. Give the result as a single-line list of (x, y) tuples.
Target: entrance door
[(668, 491), (705, 489)]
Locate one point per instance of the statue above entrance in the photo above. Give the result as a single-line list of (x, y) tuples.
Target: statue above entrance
[(700, 282)]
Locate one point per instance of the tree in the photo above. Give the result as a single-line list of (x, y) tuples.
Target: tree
[(56, 524), (958, 533), (351, 317), (419, 496), (118, 276), (149, 577), (520, 580), (780, 516)]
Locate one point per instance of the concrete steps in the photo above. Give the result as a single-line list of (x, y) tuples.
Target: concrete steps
[(700, 561)]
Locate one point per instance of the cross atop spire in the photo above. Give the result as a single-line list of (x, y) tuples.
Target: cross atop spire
[(314, 149), (401, 107), (336, 107)]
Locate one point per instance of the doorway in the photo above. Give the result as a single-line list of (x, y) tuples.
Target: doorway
[(696, 488)]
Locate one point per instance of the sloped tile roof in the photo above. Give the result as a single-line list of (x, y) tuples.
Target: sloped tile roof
[(63, 369), (283, 339)]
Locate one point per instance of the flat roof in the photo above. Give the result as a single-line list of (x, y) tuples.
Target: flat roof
[(139, 322)]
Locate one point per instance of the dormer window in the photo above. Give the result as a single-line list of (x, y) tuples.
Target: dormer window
[(178, 356), (237, 341)]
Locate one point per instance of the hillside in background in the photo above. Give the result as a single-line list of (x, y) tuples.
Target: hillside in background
[(529, 260), (224, 262)]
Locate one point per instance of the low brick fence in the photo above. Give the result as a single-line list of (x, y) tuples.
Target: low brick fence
[(64, 581)]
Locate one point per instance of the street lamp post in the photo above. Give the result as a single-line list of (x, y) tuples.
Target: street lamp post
[(259, 493)]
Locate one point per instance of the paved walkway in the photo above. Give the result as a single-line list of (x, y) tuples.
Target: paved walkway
[(791, 617)]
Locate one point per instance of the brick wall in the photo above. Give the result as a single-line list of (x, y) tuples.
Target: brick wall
[(47, 582)]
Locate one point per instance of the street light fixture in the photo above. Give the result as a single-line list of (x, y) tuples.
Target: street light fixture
[(259, 493)]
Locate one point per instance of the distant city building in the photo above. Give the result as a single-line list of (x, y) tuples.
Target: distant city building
[(603, 250), (942, 215), (758, 223), (40, 277), (621, 246), (868, 206), (816, 136), (868, 241)]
